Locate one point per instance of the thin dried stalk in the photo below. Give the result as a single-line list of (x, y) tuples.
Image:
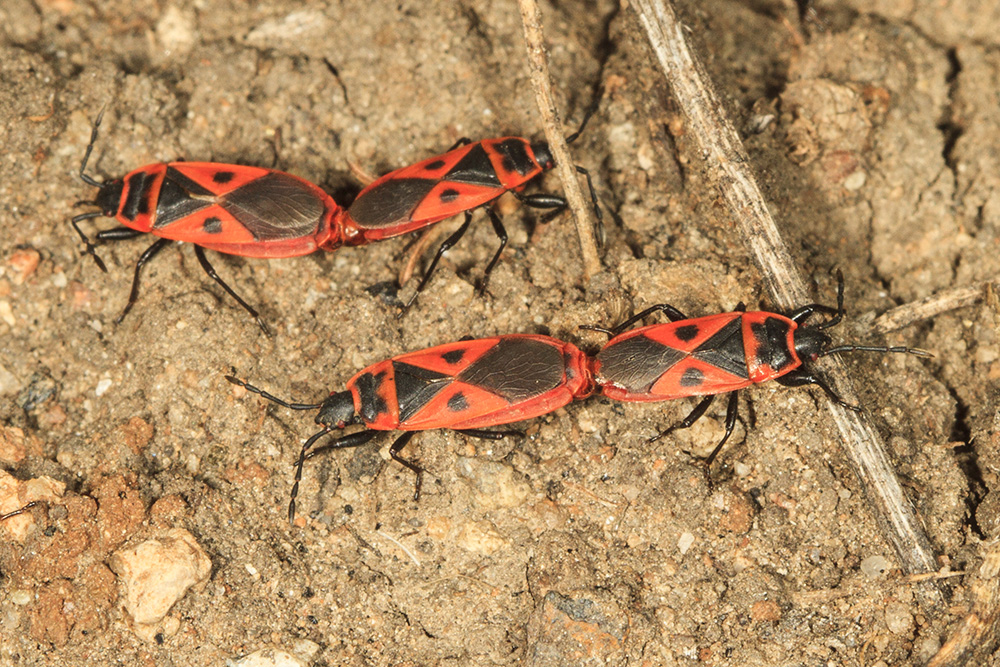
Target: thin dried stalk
[(538, 63)]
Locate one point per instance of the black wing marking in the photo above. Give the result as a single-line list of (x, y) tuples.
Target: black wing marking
[(275, 206), (517, 369), (637, 363), (390, 202)]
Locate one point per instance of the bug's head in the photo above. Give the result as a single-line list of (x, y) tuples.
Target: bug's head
[(811, 343), (543, 156), (337, 411), (109, 196)]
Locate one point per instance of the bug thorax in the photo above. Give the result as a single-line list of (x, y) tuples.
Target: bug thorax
[(543, 156), (337, 410), (810, 343), (109, 196)]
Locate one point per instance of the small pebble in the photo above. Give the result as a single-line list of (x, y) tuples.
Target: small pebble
[(158, 573), (875, 567)]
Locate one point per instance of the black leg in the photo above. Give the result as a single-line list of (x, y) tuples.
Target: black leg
[(687, 422), (89, 249), (593, 195), (541, 200), (118, 234), (501, 233), (801, 378), (145, 257), (732, 412), (200, 254), (672, 314), (464, 141), (20, 510), (801, 314), (394, 450), (352, 440), (448, 243)]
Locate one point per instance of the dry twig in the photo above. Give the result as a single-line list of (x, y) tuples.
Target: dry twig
[(935, 304), (538, 64), (728, 164)]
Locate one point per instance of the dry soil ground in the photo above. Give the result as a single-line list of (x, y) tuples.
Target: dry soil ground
[(873, 129)]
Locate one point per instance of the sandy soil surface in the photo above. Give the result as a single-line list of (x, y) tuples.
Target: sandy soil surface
[(875, 138)]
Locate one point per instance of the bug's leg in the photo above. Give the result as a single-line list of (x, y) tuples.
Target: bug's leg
[(593, 200), (501, 233), (394, 450), (210, 270), (145, 257), (89, 247), (542, 200), (732, 412), (352, 440), (20, 510), (801, 314), (672, 314), (801, 378), (464, 141), (687, 422), (447, 245), (118, 234)]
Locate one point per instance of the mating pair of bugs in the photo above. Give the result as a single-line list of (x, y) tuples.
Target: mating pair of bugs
[(473, 384), (264, 213)]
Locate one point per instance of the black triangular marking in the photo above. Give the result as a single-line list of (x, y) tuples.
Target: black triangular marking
[(725, 350), (636, 363), (415, 387), (516, 369), (475, 168), (175, 200)]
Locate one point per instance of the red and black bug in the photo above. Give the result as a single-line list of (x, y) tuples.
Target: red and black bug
[(233, 209), (719, 354), (468, 176), (465, 386)]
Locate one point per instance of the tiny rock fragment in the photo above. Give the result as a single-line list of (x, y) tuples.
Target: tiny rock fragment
[(481, 537), (495, 484), (875, 567), (270, 657), (765, 610), (15, 494), (158, 572), (12, 448), (586, 628), (898, 618), (22, 263)]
